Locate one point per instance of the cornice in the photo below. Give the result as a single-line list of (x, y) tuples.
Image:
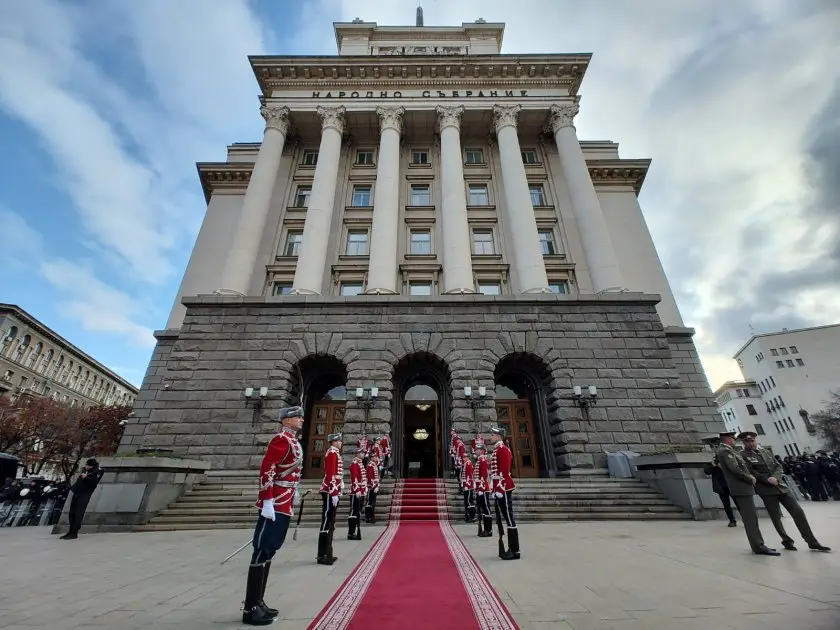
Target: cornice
[(619, 172), (223, 176)]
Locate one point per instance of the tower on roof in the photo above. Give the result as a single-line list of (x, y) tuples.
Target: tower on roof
[(419, 15)]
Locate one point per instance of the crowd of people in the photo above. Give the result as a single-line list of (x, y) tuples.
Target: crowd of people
[(31, 501), (817, 476)]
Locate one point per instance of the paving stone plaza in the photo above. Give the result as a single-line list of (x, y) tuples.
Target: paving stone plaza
[(577, 576)]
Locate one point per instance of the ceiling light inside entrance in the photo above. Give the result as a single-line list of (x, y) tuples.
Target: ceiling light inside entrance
[(421, 434), (423, 407)]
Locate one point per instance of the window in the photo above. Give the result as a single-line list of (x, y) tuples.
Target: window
[(421, 242), (800, 362), (490, 288), (788, 362), (783, 350), (420, 157), (351, 288), (751, 410), (364, 157), (781, 402), (310, 158), (759, 429), (302, 196), (420, 288), (547, 242), (559, 287), (780, 364), (794, 350), (357, 243), (773, 381), (774, 352), (420, 195), (483, 243), (293, 241), (362, 197), (478, 195), (281, 288), (537, 195), (529, 156), (475, 156)]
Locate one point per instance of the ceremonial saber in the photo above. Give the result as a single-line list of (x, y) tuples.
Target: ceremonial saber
[(248, 542), (300, 514)]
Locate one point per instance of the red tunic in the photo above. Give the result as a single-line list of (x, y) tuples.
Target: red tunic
[(364, 444), (385, 444), (280, 471), (333, 472), (500, 463), (453, 447), (377, 450), (373, 476), (467, 481), (358, 478), (481, 478), (460, 450)]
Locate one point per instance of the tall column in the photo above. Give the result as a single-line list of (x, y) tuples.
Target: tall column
[(312, 259), (242, 256), (457, 248), (529, 266), (385, 230), (597, 245)]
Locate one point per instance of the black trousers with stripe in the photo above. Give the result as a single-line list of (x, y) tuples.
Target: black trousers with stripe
[(269, 536)]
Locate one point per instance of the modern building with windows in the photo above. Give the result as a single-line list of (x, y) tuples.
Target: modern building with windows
[(741, 408), (36, 361), (794, 372), (421, 242)]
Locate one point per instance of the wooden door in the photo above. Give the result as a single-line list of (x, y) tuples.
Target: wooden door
[(326, 418), (515, 418)]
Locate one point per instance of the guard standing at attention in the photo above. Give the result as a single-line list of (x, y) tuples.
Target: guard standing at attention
[(364, 449), (453, 454), (385, 443), (742, 488), (503, 487), (468, 486), (358, 493), (771, 487), (373, 489), (279, 478), (331, 487), (481, 478)]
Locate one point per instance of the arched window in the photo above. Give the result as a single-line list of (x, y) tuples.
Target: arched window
[(22, 348), (34, 355), (76, 375), (65, 375), (9, 340), (46, 363)]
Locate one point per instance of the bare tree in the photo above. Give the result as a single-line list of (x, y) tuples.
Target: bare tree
[(827, 422)]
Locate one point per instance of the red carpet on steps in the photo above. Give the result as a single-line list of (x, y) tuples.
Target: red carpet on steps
[(418, 500), (416, 576)]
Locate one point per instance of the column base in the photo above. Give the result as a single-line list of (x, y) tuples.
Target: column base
[(613, 290), (303, 292), (538, 290), (460, 291), (380, 292), (228, 293)]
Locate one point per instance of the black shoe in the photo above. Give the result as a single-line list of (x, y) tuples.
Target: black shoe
[(326, 560), (788, 545), (254, 614), (69, 536), (766, 551), (323, 540), (510, 555), (513, 542), (733, 523), (819, 547)]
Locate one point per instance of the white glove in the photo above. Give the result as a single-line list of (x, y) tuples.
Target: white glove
[(296, 501), (498, 495), (268, 510), (359, 495), (334, 500)]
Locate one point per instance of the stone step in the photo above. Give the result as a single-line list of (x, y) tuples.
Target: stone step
[(526, 517)]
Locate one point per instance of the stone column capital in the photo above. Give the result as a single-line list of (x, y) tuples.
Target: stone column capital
[(390, 118), (332, 118), (561, 116), (276, 118), (505, 116), (449, 116)]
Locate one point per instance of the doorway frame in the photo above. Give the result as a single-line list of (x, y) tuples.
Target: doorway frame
[(438, 458)]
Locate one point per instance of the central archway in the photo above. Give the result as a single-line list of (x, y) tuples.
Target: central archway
[(421, 411)]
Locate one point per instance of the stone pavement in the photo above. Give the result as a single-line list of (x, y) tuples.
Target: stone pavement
[(573, 576)]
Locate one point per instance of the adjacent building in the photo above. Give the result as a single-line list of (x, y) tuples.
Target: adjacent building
[(792, 374), (741, 407), (421, 242), (37, 361)]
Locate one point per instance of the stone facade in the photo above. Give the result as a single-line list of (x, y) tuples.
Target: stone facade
[(650, 395)]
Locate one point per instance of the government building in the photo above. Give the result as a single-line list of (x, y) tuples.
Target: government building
[(422, 242)]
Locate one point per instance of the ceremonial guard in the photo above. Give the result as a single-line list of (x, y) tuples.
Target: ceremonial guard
[(453, 454), (331, 488), (358, 494), (364, 449), (503, 486), (481, 483), (468, 487), (375, 451), (279, 478), (460, 450), (385, 444), (373, 489)]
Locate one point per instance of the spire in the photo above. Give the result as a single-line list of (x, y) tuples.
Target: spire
[(419, 15)]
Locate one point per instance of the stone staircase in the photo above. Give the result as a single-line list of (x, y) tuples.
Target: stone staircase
[(595, 497), (225, 500)]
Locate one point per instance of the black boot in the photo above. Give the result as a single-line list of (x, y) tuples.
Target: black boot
[(330, 555), (487, 530), (254, 614), (323, 550), (271, 612), (513, 545)]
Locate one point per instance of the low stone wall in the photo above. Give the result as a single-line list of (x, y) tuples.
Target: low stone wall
[(133, 490)]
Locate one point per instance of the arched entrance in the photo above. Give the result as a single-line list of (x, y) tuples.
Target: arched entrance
[(324, 396), (522, 382), (421, 404)]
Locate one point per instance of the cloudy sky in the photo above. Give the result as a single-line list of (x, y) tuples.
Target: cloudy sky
[(105, 106)]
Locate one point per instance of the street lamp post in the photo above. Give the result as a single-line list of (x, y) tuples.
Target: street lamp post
[(474, 403)]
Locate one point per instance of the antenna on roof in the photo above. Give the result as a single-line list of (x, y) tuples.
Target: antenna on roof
[(419, 14)]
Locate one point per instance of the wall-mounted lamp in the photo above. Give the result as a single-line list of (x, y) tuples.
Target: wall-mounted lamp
[(587, 399), (475, 402), (366, 403), (255, 401)]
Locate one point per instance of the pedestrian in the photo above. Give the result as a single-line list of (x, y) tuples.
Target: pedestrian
[(372, 473), (481, 478), (503, 486), (358, 494), (721, 489), (468, 487), (331, 488), (82, 492)]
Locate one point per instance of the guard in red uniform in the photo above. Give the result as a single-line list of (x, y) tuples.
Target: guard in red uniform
[(481, 478), (453, 453), (364, 447), (279, 478), (385, 445), (358, 494), (375, 451), (468, 487), (503, 486), (331, 487), (373, 489), (460, 449)]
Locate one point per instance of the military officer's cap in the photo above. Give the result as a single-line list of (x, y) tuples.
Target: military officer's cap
[(747, 434), (498, 431), (478, 443), (724, 434), (290, 412), (332, 437)]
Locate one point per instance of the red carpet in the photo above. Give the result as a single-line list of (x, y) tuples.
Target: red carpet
[(418, 500), (417, 576)]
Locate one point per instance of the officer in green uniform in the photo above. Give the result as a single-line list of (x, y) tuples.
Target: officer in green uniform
[(772, 489), (742, 488)]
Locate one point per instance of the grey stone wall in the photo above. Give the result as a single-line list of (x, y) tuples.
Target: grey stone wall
[(192, 399)]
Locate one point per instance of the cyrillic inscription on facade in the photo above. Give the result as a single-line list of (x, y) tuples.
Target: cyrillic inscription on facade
[(424, 94)]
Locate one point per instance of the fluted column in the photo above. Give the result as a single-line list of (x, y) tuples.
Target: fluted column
[(312, 259), (242, 255), (528, 264), (457, 248), (597, 245), (384, 231)]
